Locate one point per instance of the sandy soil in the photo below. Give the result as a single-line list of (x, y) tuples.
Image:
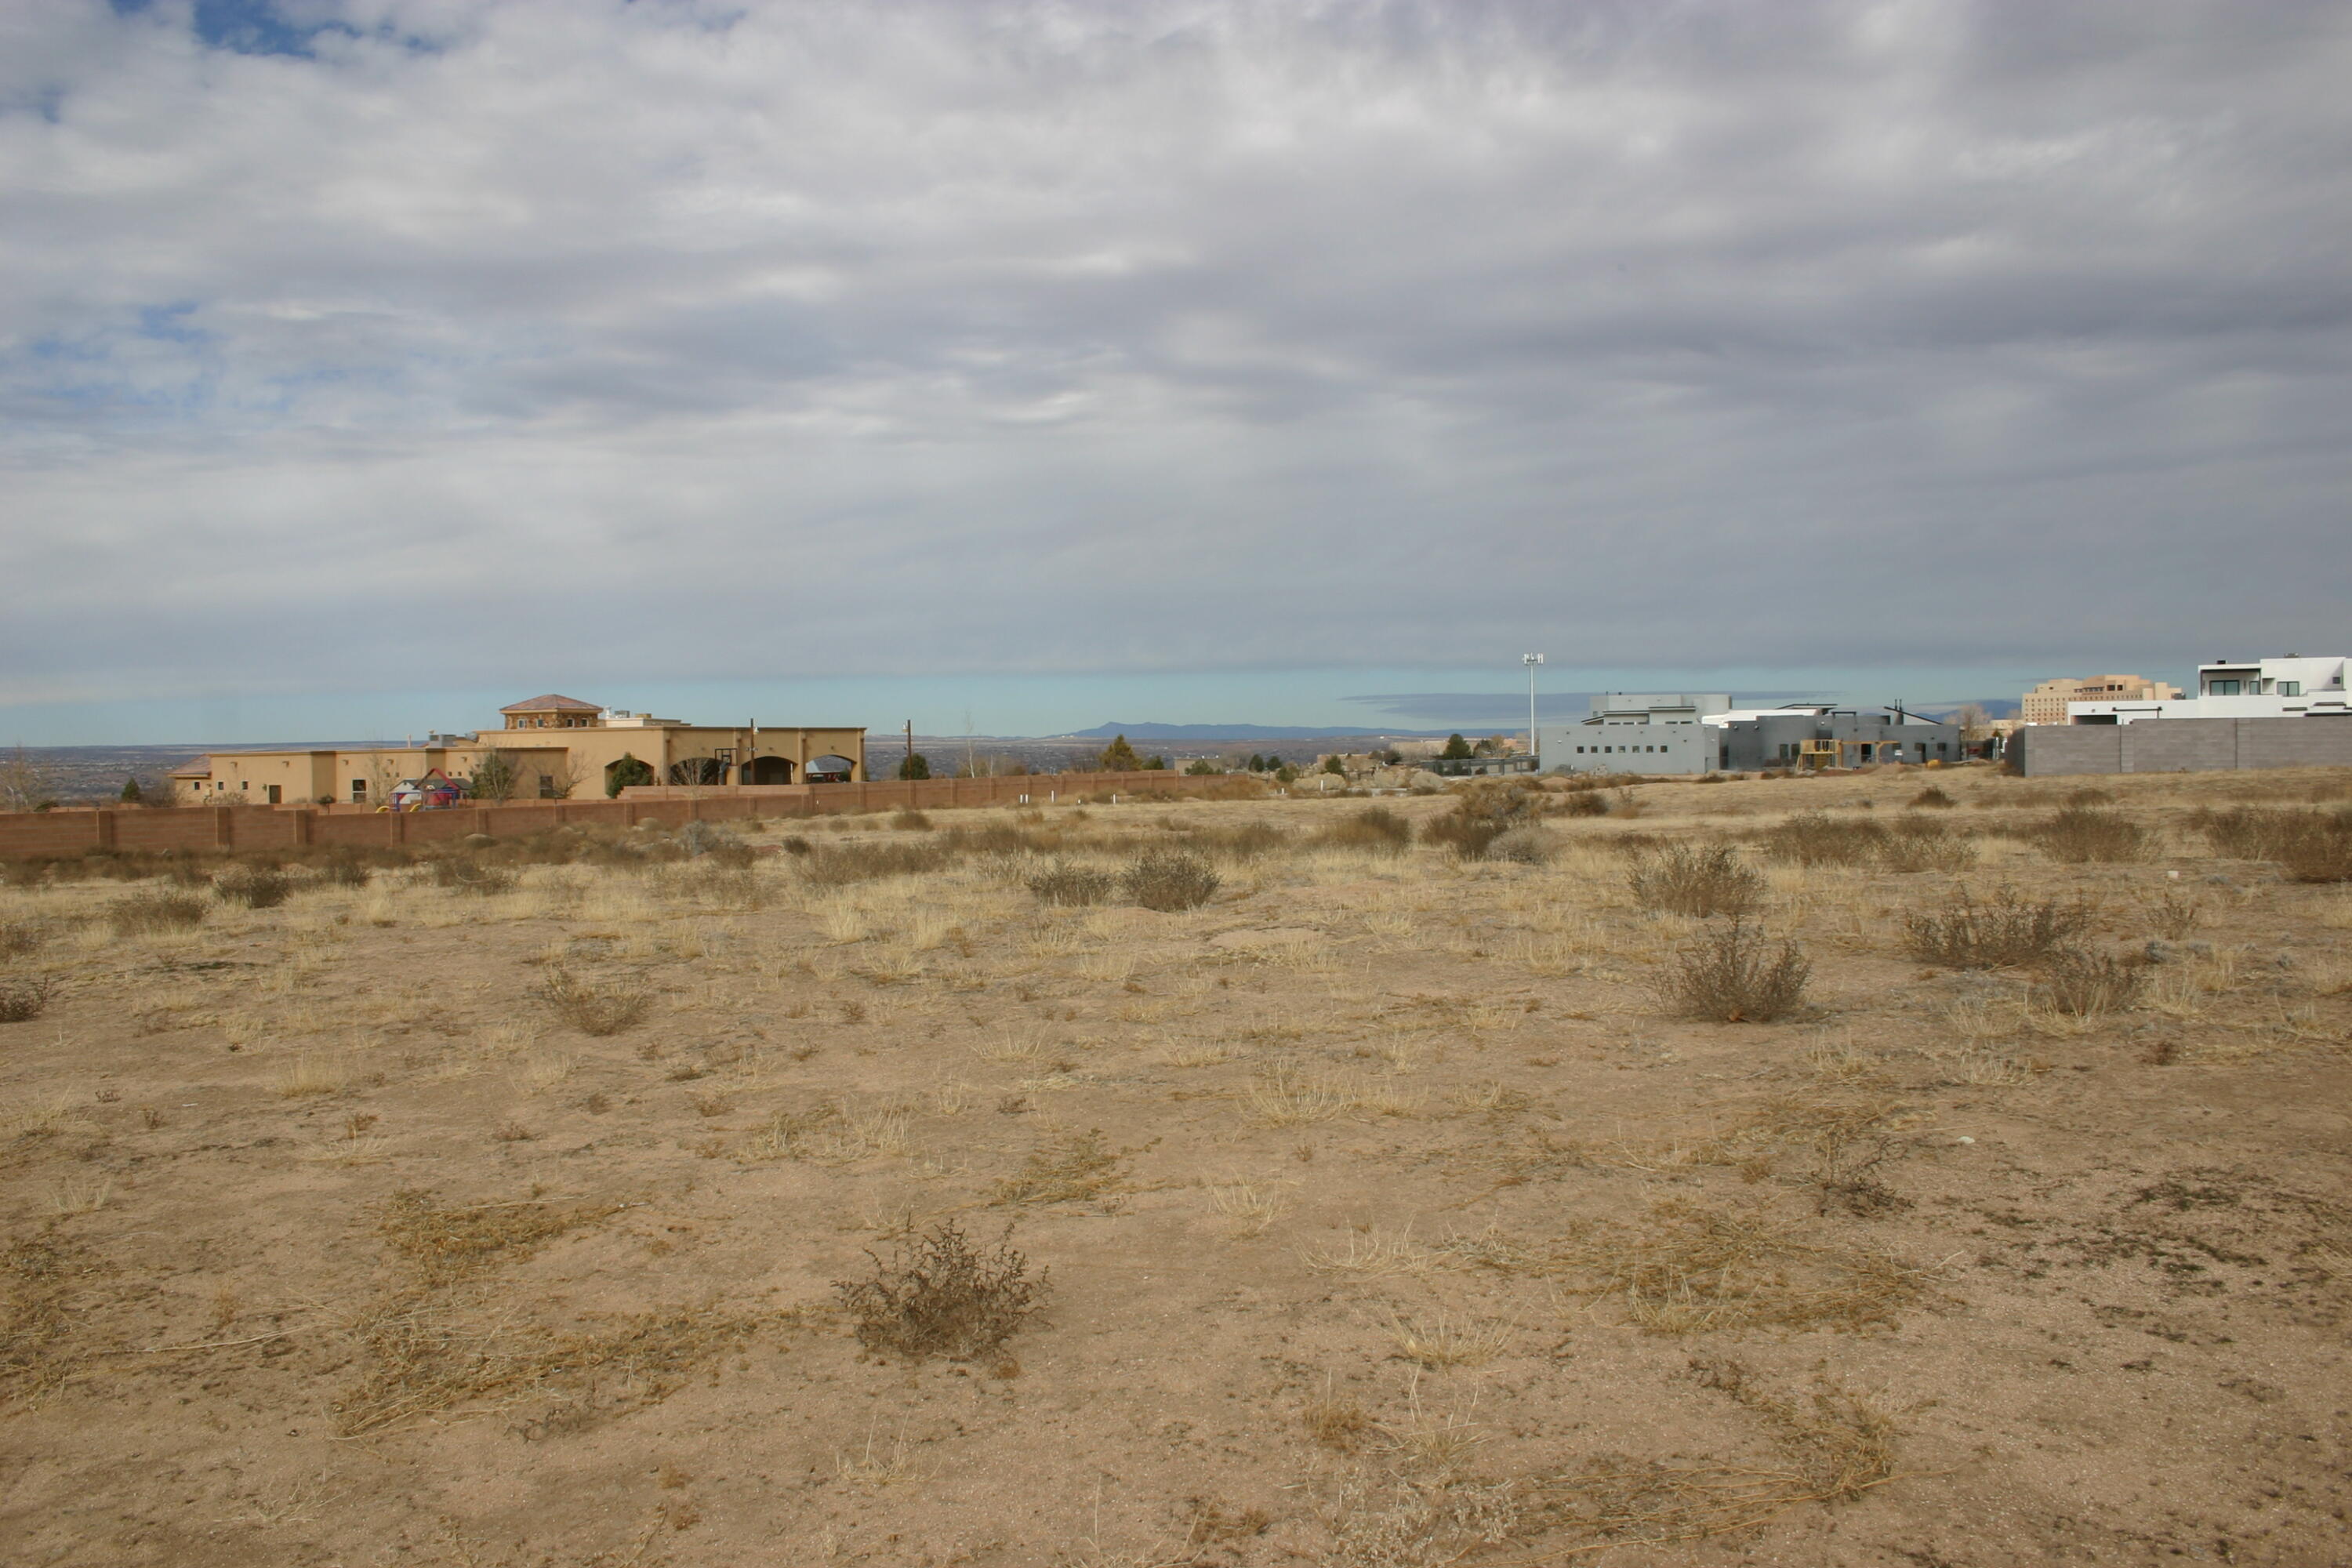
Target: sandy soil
[(1386, 1218)]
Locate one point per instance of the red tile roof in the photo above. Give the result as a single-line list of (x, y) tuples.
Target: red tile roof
[(551, 703)]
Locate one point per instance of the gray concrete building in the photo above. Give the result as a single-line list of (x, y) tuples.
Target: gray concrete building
[(2181, 745), (1683, 733)]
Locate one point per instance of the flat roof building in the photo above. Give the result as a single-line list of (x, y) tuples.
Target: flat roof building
[(549, 748), (2292, 687)]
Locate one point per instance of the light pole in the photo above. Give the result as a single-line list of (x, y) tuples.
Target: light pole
[(1532, 661)]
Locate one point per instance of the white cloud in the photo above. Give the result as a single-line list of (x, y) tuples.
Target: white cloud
[(688, 340)]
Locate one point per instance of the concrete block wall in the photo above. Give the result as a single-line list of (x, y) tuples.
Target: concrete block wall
[(66, 833), (2182, 745)]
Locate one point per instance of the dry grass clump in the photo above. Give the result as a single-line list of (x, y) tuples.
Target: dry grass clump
[(1483, 813), (2085, 984), (1375, 829), (1735, 974), (1922, 844), (1068, 1167), (153, 912), (2306, 846), (1814, 839), (1066, 884), (1933, 796), (1528, 846), (1170, 880), (21, 999), (1839, 1445), (255, 887), (37, 1316), (445, 1242), (907, 820), (1695, 880), (596, 1008), (2081, 835), (464, 874), (938, 1295), (1686, 1269), (840, 866), (2006, 931), (19, 938)]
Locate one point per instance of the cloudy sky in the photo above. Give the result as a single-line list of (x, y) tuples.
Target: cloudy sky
[(364, 363)]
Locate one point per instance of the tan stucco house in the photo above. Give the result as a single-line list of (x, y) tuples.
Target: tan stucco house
[(552, 747)]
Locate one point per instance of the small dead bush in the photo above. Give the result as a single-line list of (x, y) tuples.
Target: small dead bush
[(343, 871), (1816, 838), (1068, 1167), (1170, 880), (445, 1241), (464, 874), (1695, 880), (596, 1008), (716, 847), (1584, 803), (2087, 985), (907, 820), (19, 938), (1528, 846), (21, 999), (143, 914), (255, 887), (1375, 828), (2081, 835), (1242, 841), (1921, 843), (1066, 884), (1736, 974), (1482, 812), (938, 1295), (1933, 795), (2004, 931)]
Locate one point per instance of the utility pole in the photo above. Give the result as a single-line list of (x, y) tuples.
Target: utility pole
[(1532, 661), (907, 770)]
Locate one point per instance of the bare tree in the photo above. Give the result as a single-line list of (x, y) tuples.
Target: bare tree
[(1974, 721), (23, 783), (567, 776), (498, 777)]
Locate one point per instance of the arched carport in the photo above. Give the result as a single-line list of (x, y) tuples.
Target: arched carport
[(770, 771), (698, 771), (829, 770)]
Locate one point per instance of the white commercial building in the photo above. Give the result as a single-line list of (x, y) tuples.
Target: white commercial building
[(2290, 687)]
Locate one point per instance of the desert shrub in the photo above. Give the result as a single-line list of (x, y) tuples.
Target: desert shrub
[(144, 913), (22, 997), (2077, 835), (1735, 974), (1812, 838), (1969, 935), (1933, 795), (1584, 803), (19, 938), (1242, 841), (907, 820), (344, 871), (1483, 813), (1375, 827), (834, 867), (1691, 879), (793, 844), (938, 1295), (1170, 880), (2087, 985), (464, 874), (596, 1008), (701, 841), (255, 887), (1066, 884), (1528, 846), (1922, 844), (2307, 845)]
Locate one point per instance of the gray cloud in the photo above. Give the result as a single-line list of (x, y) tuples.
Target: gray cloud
[(693, 339)]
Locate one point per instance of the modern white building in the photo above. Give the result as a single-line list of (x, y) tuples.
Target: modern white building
[(2290, 687)]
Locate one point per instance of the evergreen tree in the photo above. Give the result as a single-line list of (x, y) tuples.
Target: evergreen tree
[(1155, 765), (1455, 747), (131, 794), (916, 766), (1118, 757), (1332, 765), (1201, 768), (628, 772), (1285, 774)]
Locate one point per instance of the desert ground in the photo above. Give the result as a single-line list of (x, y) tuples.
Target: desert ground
[(577, 1202)]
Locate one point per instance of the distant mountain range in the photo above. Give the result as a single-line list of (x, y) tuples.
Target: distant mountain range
[(1239, 732)]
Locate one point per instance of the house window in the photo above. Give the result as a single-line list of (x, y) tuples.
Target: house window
[(358, 789), (2221, 689), (2290, 689)]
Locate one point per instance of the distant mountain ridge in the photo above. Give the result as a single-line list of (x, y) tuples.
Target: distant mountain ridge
[(1243, 733)]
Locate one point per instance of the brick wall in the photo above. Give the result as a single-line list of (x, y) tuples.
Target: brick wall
[(260, 827)]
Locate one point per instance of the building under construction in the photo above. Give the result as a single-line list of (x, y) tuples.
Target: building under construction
[(1685, 732)]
